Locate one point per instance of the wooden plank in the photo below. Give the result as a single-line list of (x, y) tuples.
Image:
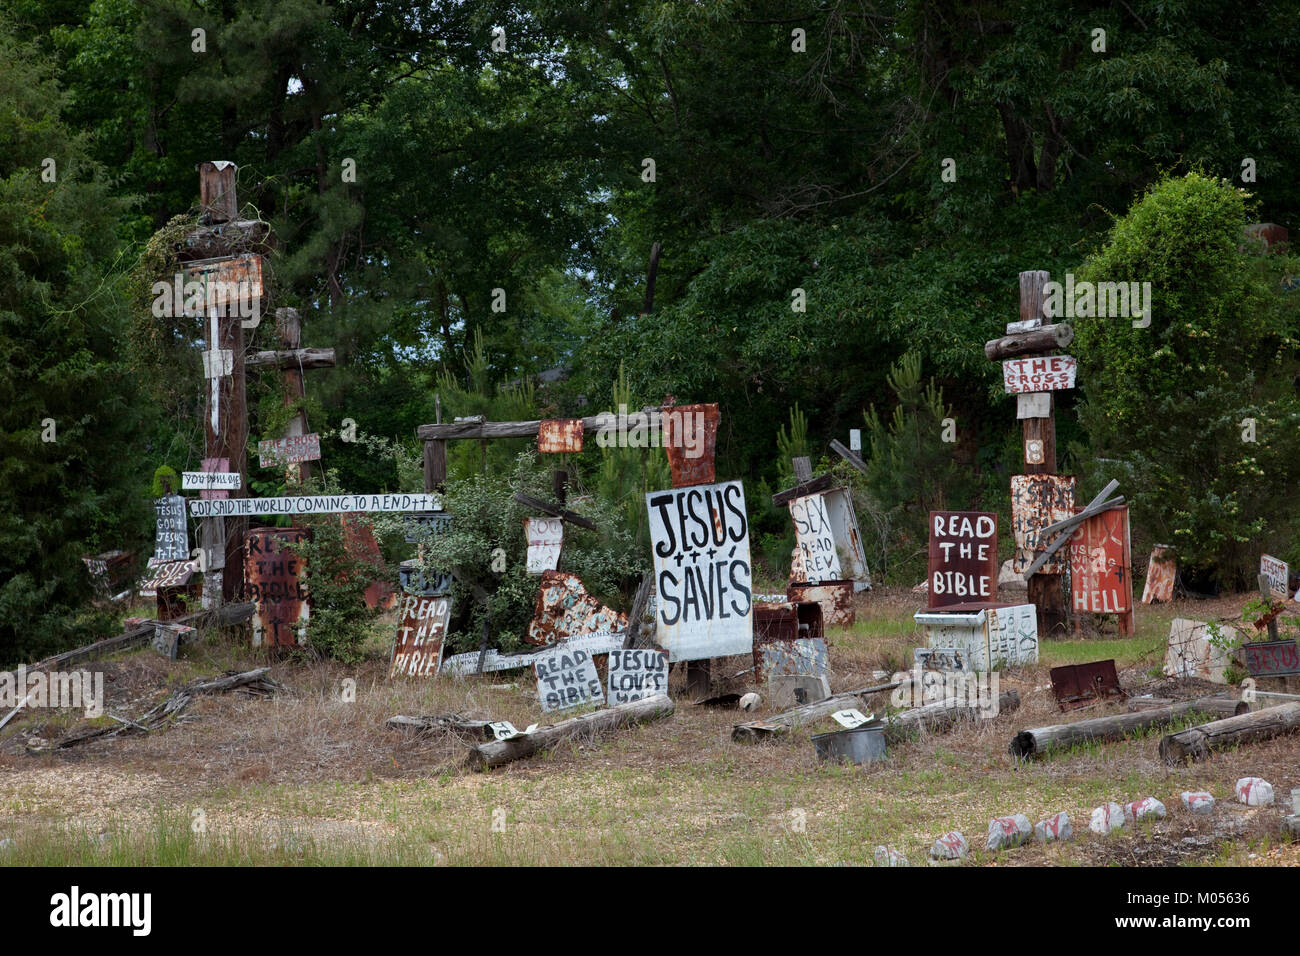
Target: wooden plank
[(802, 468), (1039, 373), (315, 504), (962, 557), (788, 720), (942, 715), (477, 428), (838, 447), (1046, 338), (555, 511), (291, 359), (812, 487)]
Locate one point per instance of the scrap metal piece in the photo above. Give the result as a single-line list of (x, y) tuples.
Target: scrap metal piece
[(565, 609), (559, 435), (690, 437), (273, 577), (835, 598), (1077, 685)]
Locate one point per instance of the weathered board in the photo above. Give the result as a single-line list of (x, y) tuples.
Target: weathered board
[(214, 465), (421, 632), (545, 539), (421, 526), (273, 580), (172, 542), (416, 581), (1191, 653), (493, 660), (835, 598), (1039, 374), (567, 678), (166, 574), (941, 659), (987, 639), (1162, 568), (637, 673), (1277, 573), (225, 282), (963, 557), (801, 657), (211, 480), (1272, 658), (1101, 579), (290, 450), (307, 505), (812, 531), (1012, 636), (700, 540), (559, 435), (1038, 501)]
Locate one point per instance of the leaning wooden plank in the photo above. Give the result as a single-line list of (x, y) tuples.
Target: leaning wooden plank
[(942, 715), (1039, 740), (478, 428), (528, 501), (851, 457), (810, 487), (442, 724), (787, 720), (498, 752), (1197, 743)]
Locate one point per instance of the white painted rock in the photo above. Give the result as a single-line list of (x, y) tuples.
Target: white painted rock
[(1141, 809), (751, 702), (888, 856), (1055, 827), (1198, 801), (1106, 819), (1008, 580), (950, 846), (1255, 792), (1005, 832)]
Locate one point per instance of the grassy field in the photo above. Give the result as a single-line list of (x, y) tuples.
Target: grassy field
[(308, 778)]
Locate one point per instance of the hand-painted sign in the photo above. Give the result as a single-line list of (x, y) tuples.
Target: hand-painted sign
[(830, 544), (1012, 636), (637, 673), (210, 465), (306, 505), (166, 574), (963, 557), (422, 526), (700, 540), (273, 576), (493, 660), (1101, 579), (211, 480), (564, 609), (173, 541), (1048, 373), (421, 631), (1162, 566), (415, 581), (291, 450), (1038, 501), (1277, 573), (545, 538), (567, 678), (1272, 658)]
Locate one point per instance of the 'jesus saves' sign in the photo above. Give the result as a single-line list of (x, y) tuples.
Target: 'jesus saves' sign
[(700, 539)]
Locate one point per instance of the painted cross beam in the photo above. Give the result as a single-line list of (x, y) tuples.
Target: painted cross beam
[(820, 483), (555, 511), (1067, 527)]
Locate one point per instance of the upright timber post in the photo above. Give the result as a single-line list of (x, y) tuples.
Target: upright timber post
[(1046, 591)]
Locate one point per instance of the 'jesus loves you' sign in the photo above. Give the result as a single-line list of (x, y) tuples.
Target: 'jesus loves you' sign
[(700, 539)]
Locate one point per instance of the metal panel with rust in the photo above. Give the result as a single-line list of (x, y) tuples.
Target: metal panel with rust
[(783, 622), (835, 598), (273, 577), (565, 609), (1271, 658), (289, 450), (1038, 501), (690, 437), (558, 435), (1101, 576), (830, 543), (1077, 685)]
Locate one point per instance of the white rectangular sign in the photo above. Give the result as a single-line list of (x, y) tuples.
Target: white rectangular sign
[(545, 538), (567, 678), (1277, 573), (636, 674), (1043, 374), (211, 480), (812, 530), (601, 642), (700, 539), (305, 505)]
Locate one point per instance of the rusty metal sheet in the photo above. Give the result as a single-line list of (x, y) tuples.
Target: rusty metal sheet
[(1077, 685), (802, 657), (565, 609), (1162, 567), (273, 578), (1101, 576), (545, 539), (690, 437), (290, 450), (700, 540), (963, 557), (1038, 501), (783, 622), (1191, 653), (1272, 658), (835, 598), (558, 435), (362, 547), (1039, 374), (421, 633)]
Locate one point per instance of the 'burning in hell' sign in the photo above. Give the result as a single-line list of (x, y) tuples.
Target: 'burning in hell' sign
[(700, 539), (963, 557)]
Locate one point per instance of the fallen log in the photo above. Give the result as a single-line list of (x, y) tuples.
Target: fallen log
[(942, 715), (1045, 338), (498, 752), (442, 724), (787, 720), (1197, 743), (1039, 740)]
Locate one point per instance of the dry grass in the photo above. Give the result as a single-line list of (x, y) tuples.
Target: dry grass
[(307, 777)]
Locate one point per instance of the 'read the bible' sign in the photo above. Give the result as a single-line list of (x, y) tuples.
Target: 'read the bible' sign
[(963, 557)]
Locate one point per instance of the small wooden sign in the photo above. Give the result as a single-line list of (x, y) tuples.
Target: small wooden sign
[(1277, 573), (277, 452), (173, 541), (1043, 374), (963, 557), (314, 505), (545, 539), (636, 674), (421, 632), (211, 480), (567, 678), (1272, 658)]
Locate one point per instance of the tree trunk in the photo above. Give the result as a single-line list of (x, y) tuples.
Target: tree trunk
[(942, 716), (1045, 338), (498, 752), (787, 720), (1039, 740), (1197, 743)]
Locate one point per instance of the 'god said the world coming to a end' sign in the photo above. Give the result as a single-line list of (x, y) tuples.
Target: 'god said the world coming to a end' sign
[(963, 557), (700, 539)]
